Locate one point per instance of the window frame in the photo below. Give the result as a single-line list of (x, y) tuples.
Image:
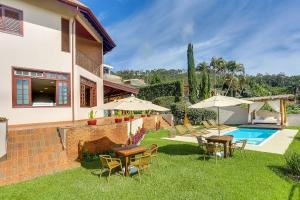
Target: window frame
[(18, 77), (93, 100), (21, 21)]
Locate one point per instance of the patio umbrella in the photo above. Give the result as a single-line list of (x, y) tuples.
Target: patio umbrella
[(132, 104), (218, 102)]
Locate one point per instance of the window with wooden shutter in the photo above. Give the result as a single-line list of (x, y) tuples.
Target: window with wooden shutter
[(11, 20), (88, 93), (65, 35)]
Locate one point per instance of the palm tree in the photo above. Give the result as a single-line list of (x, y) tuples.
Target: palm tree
[(233, 71)]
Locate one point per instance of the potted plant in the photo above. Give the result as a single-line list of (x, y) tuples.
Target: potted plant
[(149, 113), (92, 120), (127, 117), (3, 137), (143, 114), (131, 115), (119, 119)]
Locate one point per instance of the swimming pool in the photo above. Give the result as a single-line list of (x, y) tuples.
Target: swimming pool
[(254, 136)]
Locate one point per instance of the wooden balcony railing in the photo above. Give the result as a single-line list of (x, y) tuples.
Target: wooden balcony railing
[(88, 63)]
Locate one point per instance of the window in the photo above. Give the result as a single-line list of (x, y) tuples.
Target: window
[(63, 91), (65, 35), (34, 88), (22, 91), (11, 20), (88, 93)]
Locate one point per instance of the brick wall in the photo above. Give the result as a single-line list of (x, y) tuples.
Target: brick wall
[(105, 135)]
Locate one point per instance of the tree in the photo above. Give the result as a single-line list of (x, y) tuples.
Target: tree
[(233, 71), (155, 79), (201, 66), (218, 66), (204, 87), (191, 74)]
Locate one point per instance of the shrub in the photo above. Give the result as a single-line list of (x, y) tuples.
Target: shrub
[(151, 92), (195, 115), (177, 110), (293, 163), (166, 101), (293, 108)]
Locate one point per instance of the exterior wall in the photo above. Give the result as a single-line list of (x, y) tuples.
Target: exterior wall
[(82, 112), (40, 48)]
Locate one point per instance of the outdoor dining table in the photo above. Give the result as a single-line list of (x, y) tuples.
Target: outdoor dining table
[(127, 151), (226, 140)]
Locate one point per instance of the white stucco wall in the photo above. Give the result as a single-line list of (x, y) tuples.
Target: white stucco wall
[(39, 48)]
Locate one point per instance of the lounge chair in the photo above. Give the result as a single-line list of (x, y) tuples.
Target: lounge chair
[(239, 146), (196, 132), (209, 126), (141, 163), (108, 164), (214, 123), (181, 130)]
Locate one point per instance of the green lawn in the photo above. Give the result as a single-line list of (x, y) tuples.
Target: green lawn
[(181, 174)]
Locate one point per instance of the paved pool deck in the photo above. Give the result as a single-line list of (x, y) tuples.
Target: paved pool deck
[(278, 143)]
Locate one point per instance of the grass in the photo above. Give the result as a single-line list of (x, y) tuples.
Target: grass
[(181, 174)]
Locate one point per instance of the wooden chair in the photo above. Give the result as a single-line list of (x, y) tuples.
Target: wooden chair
[(141, 163), (214, 124), (239, 146), (108, 164), (152, 151), (213, 149), (202, 144)]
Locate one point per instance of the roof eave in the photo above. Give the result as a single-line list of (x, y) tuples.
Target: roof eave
[(108, 43)]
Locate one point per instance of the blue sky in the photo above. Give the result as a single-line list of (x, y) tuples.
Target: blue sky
[(264, 35)]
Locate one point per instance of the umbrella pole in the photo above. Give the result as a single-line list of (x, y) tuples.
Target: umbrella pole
[(219, 120)]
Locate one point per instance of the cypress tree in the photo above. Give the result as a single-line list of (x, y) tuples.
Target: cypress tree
[(204, 87), (191, 74)]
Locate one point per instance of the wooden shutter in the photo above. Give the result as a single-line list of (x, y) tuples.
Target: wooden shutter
[(12, 21), (65, 35), (94, 95), (82, 95)]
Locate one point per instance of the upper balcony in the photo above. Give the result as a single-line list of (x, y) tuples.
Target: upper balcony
[(89, 52)]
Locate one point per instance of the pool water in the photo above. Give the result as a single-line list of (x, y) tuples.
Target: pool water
[(254, 135)]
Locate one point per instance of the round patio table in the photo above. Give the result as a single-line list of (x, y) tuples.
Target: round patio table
[(226, 140)]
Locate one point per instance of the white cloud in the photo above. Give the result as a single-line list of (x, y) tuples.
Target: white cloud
[(262, 35)]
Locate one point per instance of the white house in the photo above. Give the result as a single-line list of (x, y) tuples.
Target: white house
[(51, 60)]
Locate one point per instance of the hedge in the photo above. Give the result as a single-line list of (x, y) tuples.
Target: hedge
[(166, 101), (195, 115), (151, 92)]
